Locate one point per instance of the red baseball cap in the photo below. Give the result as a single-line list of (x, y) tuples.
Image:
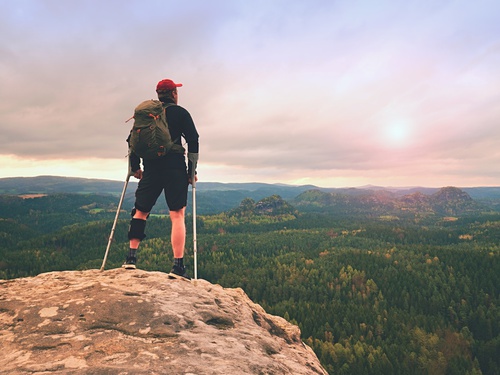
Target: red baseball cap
[(167, 85)]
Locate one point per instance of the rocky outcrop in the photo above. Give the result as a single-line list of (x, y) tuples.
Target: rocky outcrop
[(270, 206), (138, 322), (453, 201)]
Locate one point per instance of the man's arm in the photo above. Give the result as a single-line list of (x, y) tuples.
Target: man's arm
[(192, 138), (134, 163)]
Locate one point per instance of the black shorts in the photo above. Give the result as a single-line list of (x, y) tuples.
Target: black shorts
[(174, 183)]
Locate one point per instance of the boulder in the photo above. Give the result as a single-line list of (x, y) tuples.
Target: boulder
[(137, 322)]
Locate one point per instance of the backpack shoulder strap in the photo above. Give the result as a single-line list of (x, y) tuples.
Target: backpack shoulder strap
[(165, 106)]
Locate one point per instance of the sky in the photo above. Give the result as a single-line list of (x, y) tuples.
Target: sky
[(331, 93)]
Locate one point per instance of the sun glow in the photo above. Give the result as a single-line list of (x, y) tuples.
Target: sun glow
[(397, 134)]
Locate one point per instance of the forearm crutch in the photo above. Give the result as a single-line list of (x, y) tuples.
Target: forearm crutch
[(193, 157), (129, 173)]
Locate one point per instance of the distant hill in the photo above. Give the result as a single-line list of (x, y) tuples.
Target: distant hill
[(55, 184), (60, 184), (216, 197), (213, 197), (445, 201)]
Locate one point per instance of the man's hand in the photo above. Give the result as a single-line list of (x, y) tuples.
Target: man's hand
[(190, 179), (138, 174)]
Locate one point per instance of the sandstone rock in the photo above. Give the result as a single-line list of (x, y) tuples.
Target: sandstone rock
[(138, 322)]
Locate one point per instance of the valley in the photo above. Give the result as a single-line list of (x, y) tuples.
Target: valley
[(379, 281)]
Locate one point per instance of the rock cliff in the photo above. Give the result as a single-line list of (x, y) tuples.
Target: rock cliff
[(138, 322)]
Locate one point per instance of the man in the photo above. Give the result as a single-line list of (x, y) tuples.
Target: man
[(166, 174)]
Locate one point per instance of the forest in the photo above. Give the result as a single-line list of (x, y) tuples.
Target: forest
[(406, 286)]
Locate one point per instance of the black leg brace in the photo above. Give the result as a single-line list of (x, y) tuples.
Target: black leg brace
[(136, 229)]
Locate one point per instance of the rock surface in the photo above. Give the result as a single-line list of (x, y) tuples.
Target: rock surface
[(138, 322)]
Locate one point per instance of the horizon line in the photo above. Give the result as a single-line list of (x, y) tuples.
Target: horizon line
[(367, 186)]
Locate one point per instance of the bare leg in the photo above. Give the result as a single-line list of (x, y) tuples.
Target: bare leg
[(178, 235)]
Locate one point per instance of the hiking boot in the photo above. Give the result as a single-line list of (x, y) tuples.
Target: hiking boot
[(178, 273), (130, 263)]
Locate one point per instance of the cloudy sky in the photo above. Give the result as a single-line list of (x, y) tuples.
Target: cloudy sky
[(325, 92)]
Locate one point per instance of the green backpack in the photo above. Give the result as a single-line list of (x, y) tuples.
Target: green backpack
[(150, 137)]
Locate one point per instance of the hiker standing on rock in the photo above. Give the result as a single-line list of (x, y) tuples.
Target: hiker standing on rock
[(166, 173)]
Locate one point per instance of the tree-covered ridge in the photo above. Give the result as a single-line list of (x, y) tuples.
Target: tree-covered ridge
[(446, 201), (386, 294)]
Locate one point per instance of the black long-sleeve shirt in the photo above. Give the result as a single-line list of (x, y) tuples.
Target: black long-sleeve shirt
[(180, 124)]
